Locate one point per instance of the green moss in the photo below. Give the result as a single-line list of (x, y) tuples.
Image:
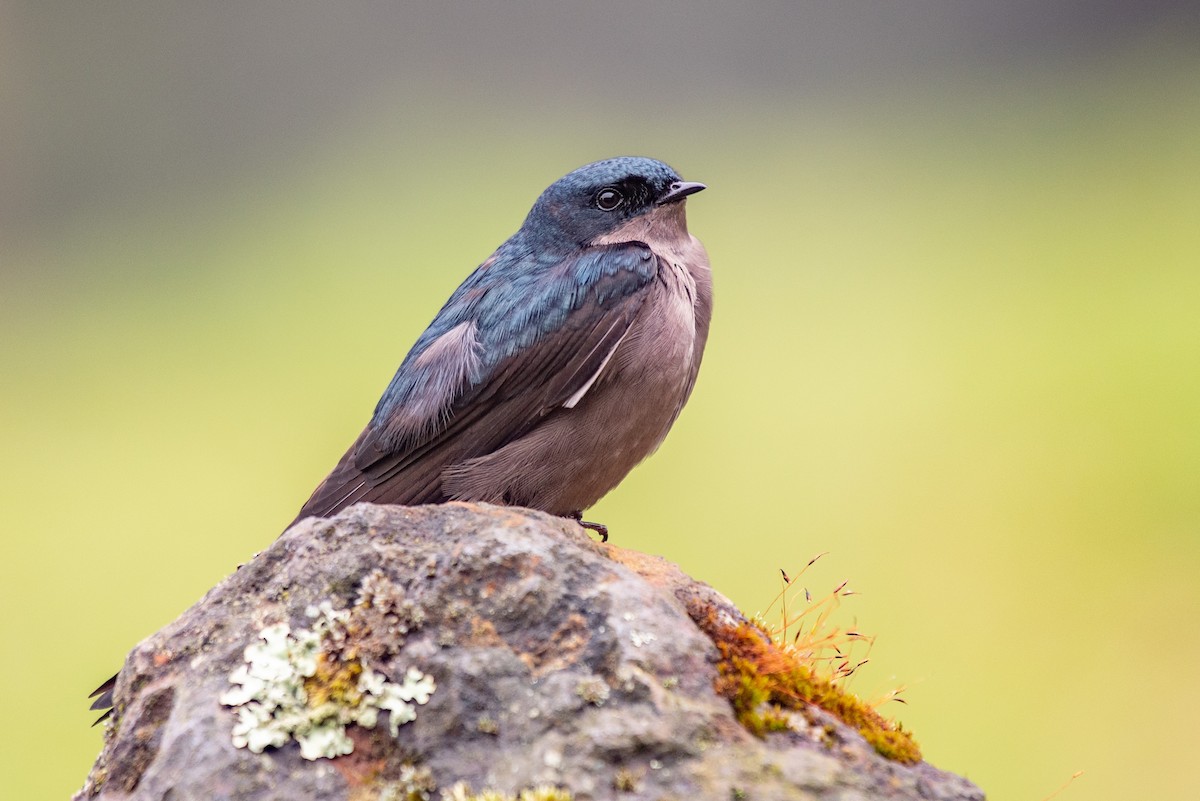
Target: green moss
[(415, 783), (765, 683), (335, 681), (625, 781)]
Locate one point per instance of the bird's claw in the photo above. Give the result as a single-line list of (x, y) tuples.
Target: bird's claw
[(599, 528)]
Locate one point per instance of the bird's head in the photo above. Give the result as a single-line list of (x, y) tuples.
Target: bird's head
[(597, 199)]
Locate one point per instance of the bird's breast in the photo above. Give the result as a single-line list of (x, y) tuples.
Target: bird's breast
[(657, 359)]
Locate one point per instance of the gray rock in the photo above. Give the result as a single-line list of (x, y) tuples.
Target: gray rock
[(557, 660)]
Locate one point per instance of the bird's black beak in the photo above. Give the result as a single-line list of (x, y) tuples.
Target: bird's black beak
[(679, 190)]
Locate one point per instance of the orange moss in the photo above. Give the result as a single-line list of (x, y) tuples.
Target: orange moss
[(765, 683)]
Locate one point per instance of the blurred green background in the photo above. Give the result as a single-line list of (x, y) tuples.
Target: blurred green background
[(956, 343)]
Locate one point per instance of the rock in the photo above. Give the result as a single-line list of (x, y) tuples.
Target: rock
[(545, 659)]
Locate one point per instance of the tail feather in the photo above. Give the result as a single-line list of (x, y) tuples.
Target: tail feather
[(105, 699)]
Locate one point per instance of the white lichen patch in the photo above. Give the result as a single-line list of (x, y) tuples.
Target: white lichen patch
[(279, 695), (461, 791), (640, 638)]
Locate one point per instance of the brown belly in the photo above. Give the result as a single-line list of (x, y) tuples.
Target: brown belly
[(576, 455)]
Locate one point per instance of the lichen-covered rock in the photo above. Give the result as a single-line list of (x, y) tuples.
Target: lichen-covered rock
[(519, 655)]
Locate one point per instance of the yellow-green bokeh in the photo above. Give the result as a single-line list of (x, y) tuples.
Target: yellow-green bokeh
[(956, 345)]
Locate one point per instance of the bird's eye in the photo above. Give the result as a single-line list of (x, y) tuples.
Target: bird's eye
[(608, 199)]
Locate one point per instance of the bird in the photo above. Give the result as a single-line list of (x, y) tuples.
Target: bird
[(556, 367)]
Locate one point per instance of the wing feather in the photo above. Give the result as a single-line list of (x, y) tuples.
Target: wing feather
[(546, 345)]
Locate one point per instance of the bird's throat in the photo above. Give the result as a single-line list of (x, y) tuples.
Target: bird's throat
[(662, 224)]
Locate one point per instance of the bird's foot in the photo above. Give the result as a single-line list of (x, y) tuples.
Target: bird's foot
[(599, 528)]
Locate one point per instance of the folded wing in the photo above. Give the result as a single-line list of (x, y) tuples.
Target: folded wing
[(509, 347)]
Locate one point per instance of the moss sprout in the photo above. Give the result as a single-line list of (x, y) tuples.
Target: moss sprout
[(770, 677)]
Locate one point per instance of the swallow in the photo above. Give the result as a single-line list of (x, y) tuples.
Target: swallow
[(558, 365)]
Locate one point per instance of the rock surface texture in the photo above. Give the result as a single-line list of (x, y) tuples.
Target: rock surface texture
[(557, 662)]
